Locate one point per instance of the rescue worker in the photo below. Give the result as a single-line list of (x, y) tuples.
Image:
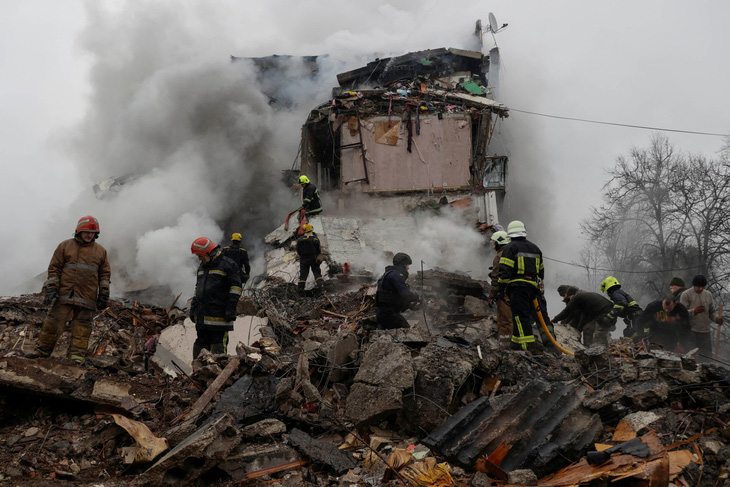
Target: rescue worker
[(676, 285), (581, 312), (702, 311), (624, 307), (520, 267), (78, 283), (311, 204), (393, 295), (309, 249), (217, 290), (504, 314), (665, 320), (239, 255)]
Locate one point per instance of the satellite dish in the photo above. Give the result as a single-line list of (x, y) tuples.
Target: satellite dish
[(493, 26)]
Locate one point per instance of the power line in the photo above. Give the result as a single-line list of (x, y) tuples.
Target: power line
[(620, 271), (644, 127)]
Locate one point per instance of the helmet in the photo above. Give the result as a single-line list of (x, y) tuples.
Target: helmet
[(308, 227), (516, 227), (87, 224), (500, 238), (303, 179), (400, 259), (202, 245), (608, 283), (236, 236)]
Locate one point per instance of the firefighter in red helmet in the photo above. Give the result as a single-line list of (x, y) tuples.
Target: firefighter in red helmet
[(217, 290), (78, 283)]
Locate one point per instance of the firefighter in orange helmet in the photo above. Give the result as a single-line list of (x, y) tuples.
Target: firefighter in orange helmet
[(217, 290), (78, 283)]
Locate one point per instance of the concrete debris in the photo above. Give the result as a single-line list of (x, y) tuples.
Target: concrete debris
[(320, 397)]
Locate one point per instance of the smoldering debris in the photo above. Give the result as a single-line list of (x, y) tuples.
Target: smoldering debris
[(322, 396)]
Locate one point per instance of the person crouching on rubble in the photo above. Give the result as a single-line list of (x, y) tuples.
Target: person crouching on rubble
[(624, 307), (393, 295), (309, 250), (78, 283), (217, 290)]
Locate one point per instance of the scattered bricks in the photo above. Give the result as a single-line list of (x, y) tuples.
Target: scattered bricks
[(522, 477), (603, 397), (647, 394)]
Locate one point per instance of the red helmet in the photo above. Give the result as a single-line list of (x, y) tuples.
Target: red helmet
[(88, 224), (202, 245)]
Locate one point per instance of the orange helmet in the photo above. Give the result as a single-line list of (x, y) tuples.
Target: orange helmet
[(202, 245), (87, 224)]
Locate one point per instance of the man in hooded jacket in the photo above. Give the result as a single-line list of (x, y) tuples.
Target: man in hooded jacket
[(394, 295)]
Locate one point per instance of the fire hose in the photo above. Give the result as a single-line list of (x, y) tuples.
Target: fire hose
[(538, 311)]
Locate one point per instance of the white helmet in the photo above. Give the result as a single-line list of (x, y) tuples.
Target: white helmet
[(516, 229)]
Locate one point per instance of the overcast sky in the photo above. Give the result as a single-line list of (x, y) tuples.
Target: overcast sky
[(76, 72)]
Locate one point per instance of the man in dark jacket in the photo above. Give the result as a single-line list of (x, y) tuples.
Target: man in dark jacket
[(664, 321), (239, 255), (393, 295), (308, 248), (520, 268), (78, 283), (582, 311), (217, 291), (311, 204)]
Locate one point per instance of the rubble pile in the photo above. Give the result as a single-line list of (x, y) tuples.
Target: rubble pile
[(322, 397)]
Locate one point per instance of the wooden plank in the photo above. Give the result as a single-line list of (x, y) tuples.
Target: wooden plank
[(207, 396)]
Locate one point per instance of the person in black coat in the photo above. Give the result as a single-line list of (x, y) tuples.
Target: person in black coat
[(239, 255), (393, 295), (308, 248), (217, 291)]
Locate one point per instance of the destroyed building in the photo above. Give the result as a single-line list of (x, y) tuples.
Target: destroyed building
[(310, 393)]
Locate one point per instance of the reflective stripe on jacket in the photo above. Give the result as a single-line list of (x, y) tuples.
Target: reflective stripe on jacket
[(217, 291), (79, 271), (521, 263)]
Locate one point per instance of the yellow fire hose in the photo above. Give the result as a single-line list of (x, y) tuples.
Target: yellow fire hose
[(545, 328)]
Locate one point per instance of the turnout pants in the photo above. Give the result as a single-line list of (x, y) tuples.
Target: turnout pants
[(215, 341), (523, 315), (53, 327), (304, 267), (504, 323)]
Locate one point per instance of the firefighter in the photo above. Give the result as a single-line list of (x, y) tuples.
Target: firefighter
[(239, 255), (311, 204), (217, 290), (520, 267), (504, 313), (582, 310), (78, 283), (393, 295), (309, 250), (624, 307)]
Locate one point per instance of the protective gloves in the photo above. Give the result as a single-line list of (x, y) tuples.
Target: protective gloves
[(102, 301), (51, 296), (699, 309)]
